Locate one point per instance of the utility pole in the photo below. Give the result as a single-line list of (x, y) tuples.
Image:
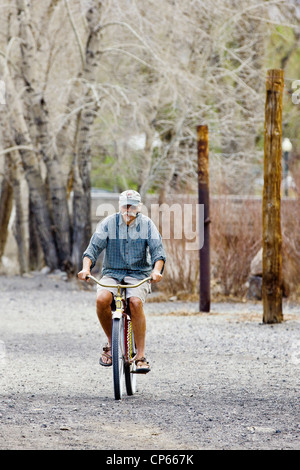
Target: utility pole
[(272, 238), (203, 198)]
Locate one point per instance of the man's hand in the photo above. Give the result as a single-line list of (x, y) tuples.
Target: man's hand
[(86, 269), (156, 273), (83, 275), (156, 276)]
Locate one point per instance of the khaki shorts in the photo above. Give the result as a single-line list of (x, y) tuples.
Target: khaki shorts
[(141, 291)]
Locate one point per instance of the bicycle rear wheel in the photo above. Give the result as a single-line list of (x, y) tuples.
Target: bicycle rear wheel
[(118, 351), (130, 376)]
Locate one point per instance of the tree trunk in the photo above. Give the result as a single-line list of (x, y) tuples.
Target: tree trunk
[(38, 198), (57, 188), (81, 192), (20, 228), (38, 117), (14, 175), (36, 257), (37, 192), (82, 162), (6, 204)]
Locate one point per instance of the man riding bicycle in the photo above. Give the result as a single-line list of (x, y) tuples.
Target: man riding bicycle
[(133, 251)]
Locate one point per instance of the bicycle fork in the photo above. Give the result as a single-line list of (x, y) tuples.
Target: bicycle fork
[(120, 313)]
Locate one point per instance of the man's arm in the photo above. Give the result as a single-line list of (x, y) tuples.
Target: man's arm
[(157, 270), (86, 269), (97, 244), (157, 252)]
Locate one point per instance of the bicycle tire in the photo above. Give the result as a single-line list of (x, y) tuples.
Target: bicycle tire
[(130, 376), (118, 357)]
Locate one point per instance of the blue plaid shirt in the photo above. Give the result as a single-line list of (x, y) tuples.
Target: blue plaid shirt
[(130, 250)]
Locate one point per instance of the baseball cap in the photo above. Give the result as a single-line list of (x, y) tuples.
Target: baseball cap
[(130, 197)]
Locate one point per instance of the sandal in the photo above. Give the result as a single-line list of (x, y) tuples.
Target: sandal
[(144, 368), (108, 357)]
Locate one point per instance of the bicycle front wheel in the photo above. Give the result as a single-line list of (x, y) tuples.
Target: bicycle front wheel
[(118, 351), (130, 376)]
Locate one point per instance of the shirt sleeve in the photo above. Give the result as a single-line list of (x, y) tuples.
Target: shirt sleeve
[(97, 243), (155, 244)]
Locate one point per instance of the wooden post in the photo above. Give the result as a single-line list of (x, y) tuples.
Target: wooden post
[(6, 205), (203, 198), (272, 238)]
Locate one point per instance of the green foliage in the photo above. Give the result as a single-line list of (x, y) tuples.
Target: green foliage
[(107, 174)]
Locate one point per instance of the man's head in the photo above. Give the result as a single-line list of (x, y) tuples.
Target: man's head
[(129, 204)]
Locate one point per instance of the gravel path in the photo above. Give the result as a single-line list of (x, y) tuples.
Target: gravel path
[(219, 381)]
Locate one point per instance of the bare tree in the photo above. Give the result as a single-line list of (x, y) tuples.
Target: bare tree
[(85, 120), (86, 78), (40, 130)]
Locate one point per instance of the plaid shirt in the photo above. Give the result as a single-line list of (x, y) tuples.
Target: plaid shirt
[(131, 250)]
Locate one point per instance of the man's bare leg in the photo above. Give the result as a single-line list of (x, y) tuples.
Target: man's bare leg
[(138, 319), (104, 300)]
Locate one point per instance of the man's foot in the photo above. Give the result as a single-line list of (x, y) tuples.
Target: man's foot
[(106, 359), (142, 366)]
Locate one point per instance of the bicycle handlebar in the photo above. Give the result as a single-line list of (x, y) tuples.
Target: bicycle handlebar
[(119, 285)]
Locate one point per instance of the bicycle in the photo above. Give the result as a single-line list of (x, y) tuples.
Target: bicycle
[(123, 348)]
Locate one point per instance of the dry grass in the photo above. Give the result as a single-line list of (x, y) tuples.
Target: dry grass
[(235, 238)]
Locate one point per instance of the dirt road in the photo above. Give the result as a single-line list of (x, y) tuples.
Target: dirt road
[(218, 381)]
